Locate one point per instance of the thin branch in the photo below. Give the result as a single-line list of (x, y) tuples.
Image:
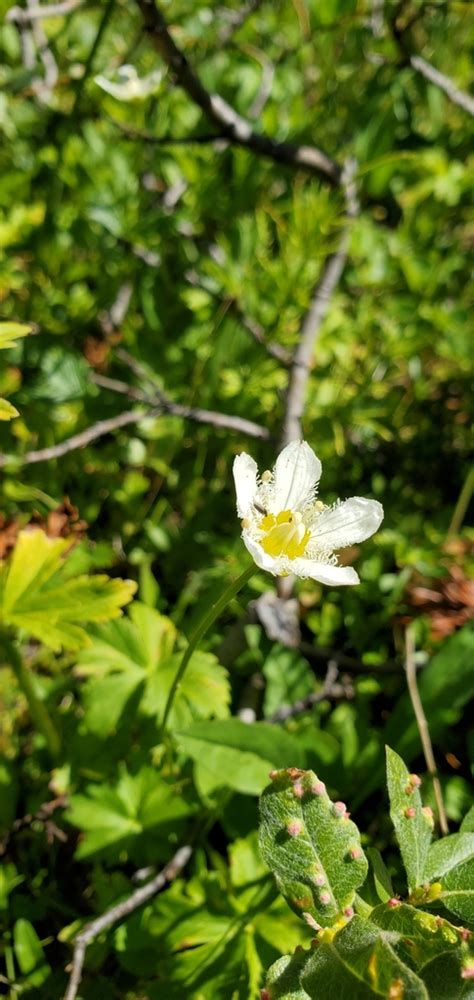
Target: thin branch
[(118, 912), (331, 689), (455, 95), (36, 12), (301, 364), (163, 404), (257, 332), (97, 430), (233, 126), (422, 724), (129, 132), (235, 20)]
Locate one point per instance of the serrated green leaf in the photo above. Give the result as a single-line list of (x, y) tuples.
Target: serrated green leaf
[(11, 332), (311, 846), (36, 594), (139, 648), (412, 827), (239, 756), (130, 816)]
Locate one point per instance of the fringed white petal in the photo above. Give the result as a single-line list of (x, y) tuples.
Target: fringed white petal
[(245, 477), (260, 557), (347, 523), (332, 576), (296, 473)]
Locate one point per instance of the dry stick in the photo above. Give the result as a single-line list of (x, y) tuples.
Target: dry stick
[(455, 95), (118, 912), (233, 126), (97, 430), (36, 11), (160, 400), (300, 366), (422, 724)]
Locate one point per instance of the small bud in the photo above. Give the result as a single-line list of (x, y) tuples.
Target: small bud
[(355, 852), (340, 808), (464, 934), (467, 972), (319, 880), (265, 995), (266, 476), (325, 898), (298, 790), (410, 812), (392, 903), (428, 814), (311, 921), (273, 775), (318, 788), (414, 780), (294, 827), (348, 912)]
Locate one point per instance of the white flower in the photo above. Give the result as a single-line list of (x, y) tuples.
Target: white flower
[(287, 530)]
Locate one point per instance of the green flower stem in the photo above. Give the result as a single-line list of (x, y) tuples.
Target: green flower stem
[(38, 710), (206, 621)]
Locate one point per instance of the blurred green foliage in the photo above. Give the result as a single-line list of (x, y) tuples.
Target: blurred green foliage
[(143, 262)]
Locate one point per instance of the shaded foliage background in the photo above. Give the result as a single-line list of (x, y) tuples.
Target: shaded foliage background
[(143, 252)]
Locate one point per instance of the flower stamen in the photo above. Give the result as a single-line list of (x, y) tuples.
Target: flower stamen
[(284, 534)]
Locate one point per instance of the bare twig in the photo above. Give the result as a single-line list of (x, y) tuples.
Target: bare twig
[(37, 12), (118, 912), (161, 403), (455, 95), (233, 126), (300, 366), (111, 319), (331, 689), (422, 724), (100, 429), (129, 132), (235, 20), (257, 332)]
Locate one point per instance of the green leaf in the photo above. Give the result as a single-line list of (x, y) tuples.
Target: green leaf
[(412, 827), (382, 880), (311, 846), (29, 952), (139, 812), (283, 980), (445, 854), (7, 410), (467, 825), (138, 650), (457, 891), (422, 935), (360, 962), (11, 332), (443, 978), (36, 594), (237, 755)]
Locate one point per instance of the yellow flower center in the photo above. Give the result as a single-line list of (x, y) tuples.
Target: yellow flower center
[(284, 534)]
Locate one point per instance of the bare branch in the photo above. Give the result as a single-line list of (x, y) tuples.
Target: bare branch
[(161, 403), (300, 367), (233, 126), (36, 12), (97, 430), (118, 912), (257, 332), (331, 689), (166, 140), (455, 95), (422, 724), (236, 18)]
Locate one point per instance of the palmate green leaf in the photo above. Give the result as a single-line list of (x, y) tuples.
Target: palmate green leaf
[(36, 594), (136, 655), (137, 815), (412, 826), (11, 332), (311, 846), (237, 755)]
